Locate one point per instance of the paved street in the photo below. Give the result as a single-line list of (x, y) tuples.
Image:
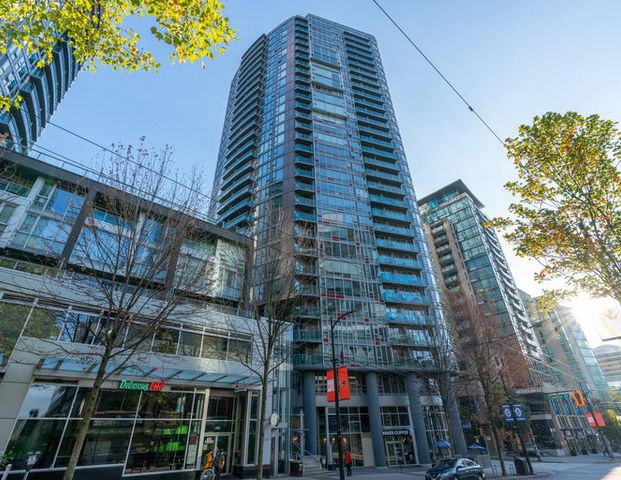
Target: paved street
[(576, 468)]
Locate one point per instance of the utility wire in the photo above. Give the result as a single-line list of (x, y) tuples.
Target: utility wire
[(442, 76)]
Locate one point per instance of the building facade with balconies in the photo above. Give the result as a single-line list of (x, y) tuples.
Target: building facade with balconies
[(310, 131)]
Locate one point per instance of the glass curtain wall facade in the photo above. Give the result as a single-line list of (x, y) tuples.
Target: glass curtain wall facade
[(468, 256), (310, 130), (186, 388), (41, 89)]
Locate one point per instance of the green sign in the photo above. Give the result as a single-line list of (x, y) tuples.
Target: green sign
[(147, 387)]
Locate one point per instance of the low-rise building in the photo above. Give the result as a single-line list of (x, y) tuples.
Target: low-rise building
[(186, 390)]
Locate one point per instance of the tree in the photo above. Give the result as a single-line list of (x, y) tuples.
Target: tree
[(97, 31), (138, 257), (613, 425), (275, 294), (567, 208), (482, 352)]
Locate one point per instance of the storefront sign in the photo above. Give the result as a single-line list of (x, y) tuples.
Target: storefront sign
[(154, 386), (388, 433), (343, 382)]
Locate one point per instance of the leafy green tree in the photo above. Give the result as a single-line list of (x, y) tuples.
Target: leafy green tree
[(613, 425), (98, 32), (567, 208)]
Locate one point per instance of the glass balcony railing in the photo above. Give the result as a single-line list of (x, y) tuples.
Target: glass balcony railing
[(385, 228), (394, 296), (403, 279), (304, 186), (307, 217), (388, 201), (409, 317), (398, 261), (380, 152), (403, 217), (306, 312), (385, 176), (376, 162), (383, 187), (307, 360), (300, 172), (405, 246), (307, 335)]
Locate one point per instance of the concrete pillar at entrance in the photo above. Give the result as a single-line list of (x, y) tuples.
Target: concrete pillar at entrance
[(375, 419), (310, 411), (13, 389), (416, 409), (457, 433)]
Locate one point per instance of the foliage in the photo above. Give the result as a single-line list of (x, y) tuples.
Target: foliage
[(98, 32), (613, 425), (567, 208)]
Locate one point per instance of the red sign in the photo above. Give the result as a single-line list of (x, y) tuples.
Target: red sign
[(598, 421), (343, 381)]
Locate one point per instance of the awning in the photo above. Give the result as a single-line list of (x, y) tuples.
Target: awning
[(443, 444), (165, 374)]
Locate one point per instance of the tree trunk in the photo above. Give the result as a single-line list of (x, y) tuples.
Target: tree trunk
[(499, 446), (87, 415), (261, 425)]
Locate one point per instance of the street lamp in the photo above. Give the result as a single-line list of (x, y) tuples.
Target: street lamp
[(339, 435)]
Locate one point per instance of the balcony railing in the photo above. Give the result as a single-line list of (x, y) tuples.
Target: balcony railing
[(403, 279), (394, 296)]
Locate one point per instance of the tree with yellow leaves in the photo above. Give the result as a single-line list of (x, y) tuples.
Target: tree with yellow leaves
[(98, 33), (567, 208)]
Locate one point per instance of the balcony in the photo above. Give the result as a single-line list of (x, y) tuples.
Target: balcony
[(380, 152), (302, 335), (383, 124), (388, 201), (398, 261), (246, 217), (305, 187), (384, 176), (305, 217), (408, 340), (394, 296), (375, 141), (402, 279), (305, 137), (391, 166), (399, 246), (299, 147), (402, 217), (385, 228), (300, 172), (384, 187), (307, 360), (306, 312), (408, 317)]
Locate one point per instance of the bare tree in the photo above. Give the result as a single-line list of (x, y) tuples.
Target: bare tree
[(275, 293), (139, 255), (483, 351)]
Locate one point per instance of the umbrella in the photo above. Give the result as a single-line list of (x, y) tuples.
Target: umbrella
[(476, 446), (443, 444)]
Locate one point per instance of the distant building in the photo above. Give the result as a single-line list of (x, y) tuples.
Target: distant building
[(469, 259), (609, 359), (573, 366), (41, 89)]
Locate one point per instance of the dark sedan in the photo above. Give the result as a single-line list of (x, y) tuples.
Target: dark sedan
[(454, 469)]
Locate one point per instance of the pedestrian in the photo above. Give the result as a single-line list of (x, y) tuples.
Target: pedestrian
[(348, 461), (219, 464), (208, 460)]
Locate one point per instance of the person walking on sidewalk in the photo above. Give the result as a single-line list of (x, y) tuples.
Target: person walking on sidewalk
[(348, 461)]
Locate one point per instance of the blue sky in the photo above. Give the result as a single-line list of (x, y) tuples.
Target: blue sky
[(511, 59)]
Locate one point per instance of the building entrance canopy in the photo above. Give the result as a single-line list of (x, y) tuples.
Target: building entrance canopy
[(156, 373)]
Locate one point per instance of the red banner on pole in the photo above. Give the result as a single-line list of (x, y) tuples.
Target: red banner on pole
[(343, 384), (590, 420), (599, 420)]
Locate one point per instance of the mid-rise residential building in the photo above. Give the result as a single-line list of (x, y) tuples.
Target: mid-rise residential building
[(310, 132), (572, 366), (609, 360), (185, 391), (41, 90)]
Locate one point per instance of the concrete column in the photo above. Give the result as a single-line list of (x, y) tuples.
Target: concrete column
[(416, 409), (375, 419), (13, 390), (310, 412), (454, 421)]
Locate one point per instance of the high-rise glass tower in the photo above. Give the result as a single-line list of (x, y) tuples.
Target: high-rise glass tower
[(310, 129), (41, 89)]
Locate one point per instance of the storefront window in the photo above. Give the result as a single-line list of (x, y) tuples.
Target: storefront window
[(38, 436), (158, 445), (47, 401), (106, 442), (165, 405)]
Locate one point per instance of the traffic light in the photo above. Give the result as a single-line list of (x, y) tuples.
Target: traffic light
[(578, 398)]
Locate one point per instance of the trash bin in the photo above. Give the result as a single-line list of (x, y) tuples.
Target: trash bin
[(296, 468), (521, 467)]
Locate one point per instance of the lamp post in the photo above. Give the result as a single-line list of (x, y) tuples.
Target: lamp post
[(339, 435)]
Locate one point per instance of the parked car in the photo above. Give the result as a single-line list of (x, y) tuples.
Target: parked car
[(455, 469)]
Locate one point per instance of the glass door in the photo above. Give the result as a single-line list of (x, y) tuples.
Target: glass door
[(218, 442)]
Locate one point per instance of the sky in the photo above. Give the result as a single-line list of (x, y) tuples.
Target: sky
[(512, 60)]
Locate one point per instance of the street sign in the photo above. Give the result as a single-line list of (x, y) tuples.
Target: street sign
[(513, 412)]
